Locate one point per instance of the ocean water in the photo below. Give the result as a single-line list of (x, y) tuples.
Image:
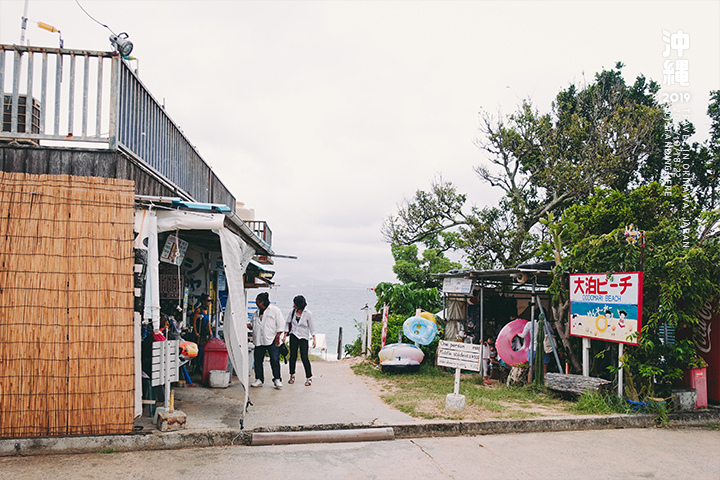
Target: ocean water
[(332, 307)]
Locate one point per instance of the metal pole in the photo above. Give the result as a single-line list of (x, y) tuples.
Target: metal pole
[(482, 311), (548, 331), (456, 388), (363, 335), (621, 348), (532, 332), (23, 26), (482, 338), (586, 357)]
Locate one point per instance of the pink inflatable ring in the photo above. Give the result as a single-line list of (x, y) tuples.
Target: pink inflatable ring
[(503, 344)]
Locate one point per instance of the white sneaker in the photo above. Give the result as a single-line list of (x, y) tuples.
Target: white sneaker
[(277, 383), (257, 383)]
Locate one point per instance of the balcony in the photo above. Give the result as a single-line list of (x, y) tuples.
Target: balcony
[(82, 97)]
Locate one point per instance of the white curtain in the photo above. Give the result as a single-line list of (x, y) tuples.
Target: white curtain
[(171, 220), (236, 257), (146, 239)]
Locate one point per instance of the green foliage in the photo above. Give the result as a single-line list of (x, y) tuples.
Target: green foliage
[(595, 403), (405, 299), (680, 272), (355, 349), (412, 270)]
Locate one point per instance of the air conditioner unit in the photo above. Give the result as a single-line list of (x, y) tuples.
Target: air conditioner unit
[(24, 125)]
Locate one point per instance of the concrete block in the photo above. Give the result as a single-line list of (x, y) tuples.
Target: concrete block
[(171, 421), (219, 378), (455, 402), (684, 399)]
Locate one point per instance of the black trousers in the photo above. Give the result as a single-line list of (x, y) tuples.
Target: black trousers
[(259, 356), (302, 344)]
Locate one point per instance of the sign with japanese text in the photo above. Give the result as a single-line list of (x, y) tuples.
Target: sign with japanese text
[(457, 285), (174, 250), (606, 306), (465, 356)]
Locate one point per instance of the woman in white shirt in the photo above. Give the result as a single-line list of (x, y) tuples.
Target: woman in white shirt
[(301, 329)]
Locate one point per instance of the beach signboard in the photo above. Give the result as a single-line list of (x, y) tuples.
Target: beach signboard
[(606, 306)]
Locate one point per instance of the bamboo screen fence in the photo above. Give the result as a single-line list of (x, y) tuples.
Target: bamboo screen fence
[(66, 305)]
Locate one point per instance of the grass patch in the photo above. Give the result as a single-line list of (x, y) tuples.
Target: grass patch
[(594, 403), (108, 450), (423, 395)]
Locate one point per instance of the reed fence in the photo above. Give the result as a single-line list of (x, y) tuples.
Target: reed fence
[(66, 305)]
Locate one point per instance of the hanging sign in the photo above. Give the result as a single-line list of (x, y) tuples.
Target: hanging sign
[(174, 250), (606, 306), (457, 285)]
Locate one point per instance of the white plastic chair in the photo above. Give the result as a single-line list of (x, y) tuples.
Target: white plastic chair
[(321, 344)]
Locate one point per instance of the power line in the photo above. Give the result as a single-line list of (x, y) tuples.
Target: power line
[(93, 18)]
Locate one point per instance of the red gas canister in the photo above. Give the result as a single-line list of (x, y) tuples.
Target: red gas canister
[(707, 342), (215, 357), (698, 381)]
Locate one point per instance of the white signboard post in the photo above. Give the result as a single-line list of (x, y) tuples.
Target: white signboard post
[(165, 365), (460, 356)]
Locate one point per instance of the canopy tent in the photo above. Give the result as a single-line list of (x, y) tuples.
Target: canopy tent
[(219, 223), (527, 278)]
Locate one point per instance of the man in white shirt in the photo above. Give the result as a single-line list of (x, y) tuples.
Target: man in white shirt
[(268, 325)]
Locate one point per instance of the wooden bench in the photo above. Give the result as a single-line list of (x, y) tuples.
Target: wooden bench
[(575, 384)]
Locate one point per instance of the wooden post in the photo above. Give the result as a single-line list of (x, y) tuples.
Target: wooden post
[(456, 389), (339, 351)]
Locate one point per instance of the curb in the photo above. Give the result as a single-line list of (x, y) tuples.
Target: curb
[(228, 437)]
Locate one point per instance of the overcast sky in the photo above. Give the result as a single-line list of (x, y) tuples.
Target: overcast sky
[(324, 116)]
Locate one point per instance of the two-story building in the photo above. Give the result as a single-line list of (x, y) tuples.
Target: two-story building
[(109, 217)]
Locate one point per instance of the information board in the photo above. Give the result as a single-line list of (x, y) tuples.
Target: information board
[(465, 356)]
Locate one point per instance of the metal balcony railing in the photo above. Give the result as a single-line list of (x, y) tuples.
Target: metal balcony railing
[(54, 95), (261, 229)]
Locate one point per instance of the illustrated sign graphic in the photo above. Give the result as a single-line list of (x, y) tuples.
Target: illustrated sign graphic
[(606, 306), (174, 250), (457, 285)]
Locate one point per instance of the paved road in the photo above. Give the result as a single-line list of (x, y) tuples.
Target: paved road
[(601, 454)]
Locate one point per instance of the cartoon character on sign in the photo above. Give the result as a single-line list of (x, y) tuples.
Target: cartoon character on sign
[(623, 315)]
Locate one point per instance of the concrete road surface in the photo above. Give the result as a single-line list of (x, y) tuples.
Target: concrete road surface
[(675, 454)]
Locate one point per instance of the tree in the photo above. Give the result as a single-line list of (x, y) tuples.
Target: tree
[(410, 269), (605, 134), (681, 265)]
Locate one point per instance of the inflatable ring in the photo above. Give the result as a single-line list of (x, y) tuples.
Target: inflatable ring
[(429, 316), (597, 323), (400, 353), (503, 344), (420, 330), (188, 349)]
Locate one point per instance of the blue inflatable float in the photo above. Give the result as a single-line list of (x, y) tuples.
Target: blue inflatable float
[(420, 330)]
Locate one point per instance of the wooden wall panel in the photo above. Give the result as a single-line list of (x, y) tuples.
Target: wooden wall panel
[(66, 305)]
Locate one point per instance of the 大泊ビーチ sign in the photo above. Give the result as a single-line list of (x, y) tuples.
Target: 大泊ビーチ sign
[(606, 306)]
